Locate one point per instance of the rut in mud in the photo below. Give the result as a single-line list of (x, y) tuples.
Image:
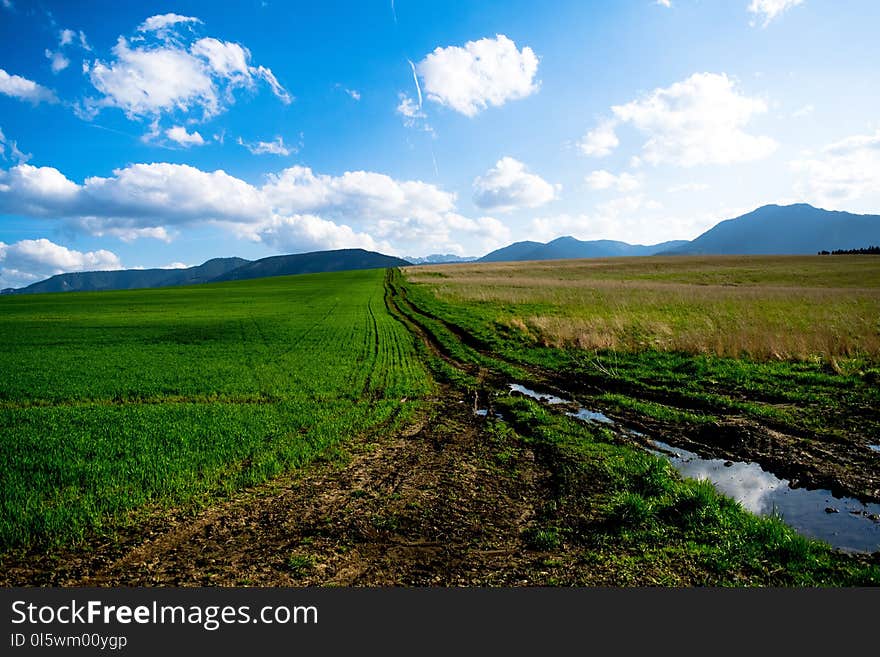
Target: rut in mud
[(430, 505)]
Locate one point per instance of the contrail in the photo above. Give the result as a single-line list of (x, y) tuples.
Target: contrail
[(393, 13), (416, 80)]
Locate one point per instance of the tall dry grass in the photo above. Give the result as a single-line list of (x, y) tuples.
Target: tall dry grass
[(799, 308)]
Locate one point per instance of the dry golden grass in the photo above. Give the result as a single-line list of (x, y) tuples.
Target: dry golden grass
[(763, 307)]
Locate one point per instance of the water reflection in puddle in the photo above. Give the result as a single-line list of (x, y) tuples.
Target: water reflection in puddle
[(587, 415), (845, 523), (541, 397)]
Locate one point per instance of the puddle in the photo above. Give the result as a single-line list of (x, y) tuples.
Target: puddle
[(587, 415), (541, 397), (844, 523), (841, 522), (484, 412)]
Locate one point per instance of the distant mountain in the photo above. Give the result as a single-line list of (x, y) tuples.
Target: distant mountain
[(786, 229), (312, 263), (439, 259), (569, 247), (132, 279)]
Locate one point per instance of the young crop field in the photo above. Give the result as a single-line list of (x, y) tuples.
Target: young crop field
[(115, 401)]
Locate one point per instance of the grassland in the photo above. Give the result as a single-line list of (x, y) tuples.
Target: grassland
[(761, 308), (112, 402)]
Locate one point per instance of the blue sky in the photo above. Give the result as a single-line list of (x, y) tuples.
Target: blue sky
[(163, 134)]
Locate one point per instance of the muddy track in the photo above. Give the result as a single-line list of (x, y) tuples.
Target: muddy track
[(846, 467), (429, 505)]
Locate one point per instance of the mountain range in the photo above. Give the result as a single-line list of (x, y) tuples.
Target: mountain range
[(568, 247), (214, 271), (771, 229)]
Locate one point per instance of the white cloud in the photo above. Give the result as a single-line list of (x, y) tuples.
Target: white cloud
[(841, 172), (508, 186), (146, 82), (801, 112), (292, 207), (24, 89), (486, 72), (181, 136), (14, 153), (226, 59), (600, 180), (58, 61), (697, 121), (274, 147), (153, 78), (28, 261), (408, 108), (307, 232), (664, 3), (600, 141), (66, 37), (770, 9), (354, 93), (272, 81), (162, 22)]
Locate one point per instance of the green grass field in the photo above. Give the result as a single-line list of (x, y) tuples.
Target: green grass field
[(113, 401)]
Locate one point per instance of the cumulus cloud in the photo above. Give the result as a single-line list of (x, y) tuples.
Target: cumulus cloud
[(841, 172), (482, 73), (601, 180), (274, 147), (508, 186), (147, 82), (24, 89), (160, 75), (179, 134), (28, 261), (308, 232), (700, 120), (58, 62), (601, 140), (767, 10), (292, 207), (162, 22)]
